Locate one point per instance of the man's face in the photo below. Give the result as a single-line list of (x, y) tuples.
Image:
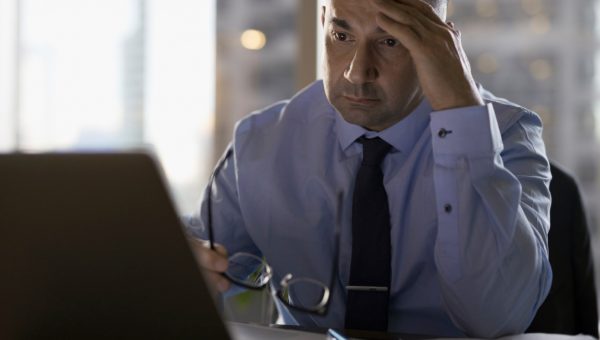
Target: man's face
[(369, 77)]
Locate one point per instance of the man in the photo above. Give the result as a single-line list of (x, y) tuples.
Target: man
[(446, 204)]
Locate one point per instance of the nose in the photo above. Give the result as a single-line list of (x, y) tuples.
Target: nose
[(362, 67)]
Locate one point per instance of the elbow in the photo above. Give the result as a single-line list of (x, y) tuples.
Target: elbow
[(506, 307), (494, 321), (491, 329)]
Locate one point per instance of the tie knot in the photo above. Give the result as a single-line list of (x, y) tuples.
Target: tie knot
[(374, 150)]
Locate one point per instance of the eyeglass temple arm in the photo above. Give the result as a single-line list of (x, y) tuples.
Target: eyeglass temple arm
[(211, 180)]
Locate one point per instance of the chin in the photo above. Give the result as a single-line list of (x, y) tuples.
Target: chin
[(358, 118)]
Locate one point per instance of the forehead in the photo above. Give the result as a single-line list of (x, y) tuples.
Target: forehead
[(362, 12), (359, 14)]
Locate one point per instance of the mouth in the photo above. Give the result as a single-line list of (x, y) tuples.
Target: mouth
[(361, 100)]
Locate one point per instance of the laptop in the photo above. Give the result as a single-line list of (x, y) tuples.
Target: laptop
[(92, 247)]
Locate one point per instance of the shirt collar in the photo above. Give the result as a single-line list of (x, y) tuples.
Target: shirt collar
[(402, 135)]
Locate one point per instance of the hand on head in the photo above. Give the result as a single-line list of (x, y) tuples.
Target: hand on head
[(435, 46)]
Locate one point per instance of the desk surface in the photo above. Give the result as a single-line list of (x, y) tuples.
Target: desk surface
[(243, 331)]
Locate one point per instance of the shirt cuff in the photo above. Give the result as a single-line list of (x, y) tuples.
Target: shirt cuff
[(469, 131)]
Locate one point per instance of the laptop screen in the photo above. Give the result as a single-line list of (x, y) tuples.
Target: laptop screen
[(91, 246)]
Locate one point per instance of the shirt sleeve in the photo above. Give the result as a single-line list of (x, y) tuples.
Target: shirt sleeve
[(493, 207), (227, 220)]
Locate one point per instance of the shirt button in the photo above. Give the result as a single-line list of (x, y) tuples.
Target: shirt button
[(443, 133), (448, 208)]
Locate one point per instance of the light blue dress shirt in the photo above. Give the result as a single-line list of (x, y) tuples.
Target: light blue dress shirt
[(469, 209)]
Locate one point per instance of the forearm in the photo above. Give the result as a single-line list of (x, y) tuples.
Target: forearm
[(491, 249)]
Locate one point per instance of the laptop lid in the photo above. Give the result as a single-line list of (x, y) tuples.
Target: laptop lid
[(92, 247)]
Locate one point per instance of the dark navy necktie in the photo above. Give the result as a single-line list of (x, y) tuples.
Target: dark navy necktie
[(370, 271)]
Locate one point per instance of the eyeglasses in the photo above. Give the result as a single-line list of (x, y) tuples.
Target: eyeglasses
[(252, 272)]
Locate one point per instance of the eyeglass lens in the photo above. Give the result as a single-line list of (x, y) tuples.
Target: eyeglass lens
[(307, 294), (248, 270)]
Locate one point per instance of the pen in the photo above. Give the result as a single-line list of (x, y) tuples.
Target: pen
[(335, 335)]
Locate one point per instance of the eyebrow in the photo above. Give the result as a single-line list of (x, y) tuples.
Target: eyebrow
[(345, 25), (342, 23)]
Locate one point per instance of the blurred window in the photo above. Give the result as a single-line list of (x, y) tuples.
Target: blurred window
[(266, 52), (111, 74)]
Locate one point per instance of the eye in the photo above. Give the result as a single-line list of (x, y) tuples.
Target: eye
[(390, 42), (340, 36)]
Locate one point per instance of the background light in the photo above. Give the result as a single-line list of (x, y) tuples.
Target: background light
[(253, 39), (541, 69), (487, 63)]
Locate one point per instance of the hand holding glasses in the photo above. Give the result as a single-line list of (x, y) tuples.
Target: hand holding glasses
[(252, 272)]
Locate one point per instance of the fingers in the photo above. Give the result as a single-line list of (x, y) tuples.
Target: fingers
[(424, 8), (435, 48), (213, 261), (414, 8), (215, 264), (406, 34), (420, 16), (400, 13), (217, 281), (453, 28)]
